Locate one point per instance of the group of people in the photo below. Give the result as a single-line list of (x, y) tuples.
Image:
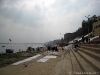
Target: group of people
[(52, 48), (60, 49), (68, 47), (85, 39)]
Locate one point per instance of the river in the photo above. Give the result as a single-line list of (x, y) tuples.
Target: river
[(16, 46)]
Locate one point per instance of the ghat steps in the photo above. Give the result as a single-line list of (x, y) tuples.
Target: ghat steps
[(86, 61), (88, 58)]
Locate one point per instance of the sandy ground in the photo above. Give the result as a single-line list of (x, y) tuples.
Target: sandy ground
[(51, 67)]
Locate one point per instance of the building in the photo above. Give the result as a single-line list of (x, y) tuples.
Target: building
[(96, 28)]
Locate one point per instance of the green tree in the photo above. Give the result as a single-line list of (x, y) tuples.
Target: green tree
[(87, 25)]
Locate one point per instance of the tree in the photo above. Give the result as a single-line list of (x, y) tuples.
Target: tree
[(87, 25), (84, 27)]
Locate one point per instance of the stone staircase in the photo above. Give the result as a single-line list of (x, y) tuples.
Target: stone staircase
[(86, 61), (95, 41)]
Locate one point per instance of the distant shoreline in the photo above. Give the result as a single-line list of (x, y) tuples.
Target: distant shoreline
[(17, 46)]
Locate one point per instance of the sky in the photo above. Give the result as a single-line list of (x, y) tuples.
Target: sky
[(40, 21)]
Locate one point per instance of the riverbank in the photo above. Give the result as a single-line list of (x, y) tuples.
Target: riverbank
[(9, 58), (33, 67), (66, 63)]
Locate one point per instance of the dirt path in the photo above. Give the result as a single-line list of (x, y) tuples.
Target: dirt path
[(32, 67)]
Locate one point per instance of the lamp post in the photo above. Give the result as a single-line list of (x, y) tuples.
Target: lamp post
[(62, 41), (60, 35), (88, 23)]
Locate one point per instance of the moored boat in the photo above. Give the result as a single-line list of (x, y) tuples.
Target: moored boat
[(9, 50), (3, 46)]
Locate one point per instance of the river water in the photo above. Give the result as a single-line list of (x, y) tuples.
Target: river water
[(17, 47)]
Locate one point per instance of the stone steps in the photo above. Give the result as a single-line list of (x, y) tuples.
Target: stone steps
[(93, 49), (91, 45), (85, 67), (88, 58), (91, 54), (91, 61), (75, 64), (85, 61)]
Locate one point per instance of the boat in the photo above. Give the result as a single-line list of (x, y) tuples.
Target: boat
[(9, 50), (3, 46)]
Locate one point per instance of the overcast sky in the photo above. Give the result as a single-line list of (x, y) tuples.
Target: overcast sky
[(39, 21)]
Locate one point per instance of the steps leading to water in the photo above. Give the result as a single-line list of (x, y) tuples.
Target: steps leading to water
[(74, 63), (91, 54), (91, 45), (94, 49), (85, 67), (86, 60), (91, 61)]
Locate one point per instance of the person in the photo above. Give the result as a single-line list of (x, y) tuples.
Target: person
[(49, 48), (44, 49), (63, 51), (59, 50), (83, 39), (53, 48), (56, 48), (76, 45), (87, 39), (68, 47)]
